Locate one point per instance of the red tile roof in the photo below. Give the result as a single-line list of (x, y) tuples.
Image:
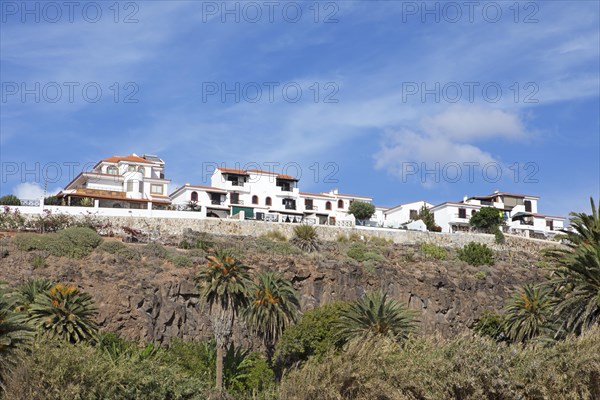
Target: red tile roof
[(353, 195), (316, 195), (131, 158), (233, 171)]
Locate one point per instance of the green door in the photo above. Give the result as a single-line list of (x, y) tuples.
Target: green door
[(247, 210)]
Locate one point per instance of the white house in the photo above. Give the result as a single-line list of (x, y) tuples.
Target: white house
[(121, 182), (401, 214), (518, 210)]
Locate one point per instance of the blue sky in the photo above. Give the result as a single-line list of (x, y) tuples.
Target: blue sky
[(389, 89)]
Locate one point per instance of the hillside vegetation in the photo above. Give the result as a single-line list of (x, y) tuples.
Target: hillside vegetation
[(86, 317)]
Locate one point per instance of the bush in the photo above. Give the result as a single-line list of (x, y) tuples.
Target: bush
[(463, 368), (181, 260), (156, 250), (275, 235), (52, 201), (314, 335), (306, 237), (128, 254), (11, 220), (48, 222), (476, 254), (38, 261), (70, 242), (10, 200), (361, 252), (491, 324), (499, 237), (432, 251), (112, 246)]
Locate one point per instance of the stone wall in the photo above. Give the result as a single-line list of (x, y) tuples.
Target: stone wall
[(164, 227)]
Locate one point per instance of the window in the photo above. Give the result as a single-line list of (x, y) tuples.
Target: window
[(268, 201), (235, 198), (141, 170), (550, 225), (340, 203), (412, 214), (194, 196), (131, 168), (473, 212), (527, 205), (141, 188), (130, 186), (156, 189), (328, 205), (462, 213), (111, 170), (255, 199), (308, 204)]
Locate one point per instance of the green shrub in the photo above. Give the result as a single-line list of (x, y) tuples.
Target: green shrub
[(128, 254), (112, 246), (10, 200), (431, 250), (499, 237), (156, 250), (314, 335), (480, 275), (48, 222), (379, 241), (71, 242), (491, 324), (38, 261), (476, 254), (275, 235), (432, 368), (181, 260), (360, 252)]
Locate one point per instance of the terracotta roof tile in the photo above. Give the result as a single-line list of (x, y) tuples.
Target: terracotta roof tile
[(131, 158)]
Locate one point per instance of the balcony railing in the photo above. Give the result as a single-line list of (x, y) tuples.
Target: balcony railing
[(459, 216), (236, 201), (310, 208), (526, 223), (217, 202), (290, 206)]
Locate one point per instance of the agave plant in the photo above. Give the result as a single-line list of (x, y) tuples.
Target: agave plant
[(224, 285), (65, 312), (376, 315), (273, 307), (576, 273), (306, 238), (27, 292), (528, 314)]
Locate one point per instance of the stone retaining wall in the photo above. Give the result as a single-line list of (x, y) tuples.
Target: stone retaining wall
[(158, 227)]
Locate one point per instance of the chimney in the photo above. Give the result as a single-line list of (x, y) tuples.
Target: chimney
[(465, 198)]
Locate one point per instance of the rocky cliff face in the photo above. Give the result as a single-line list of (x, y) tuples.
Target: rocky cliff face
[(151, 299)]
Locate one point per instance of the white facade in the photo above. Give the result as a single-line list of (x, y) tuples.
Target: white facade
[(401, 214), (121, 182)]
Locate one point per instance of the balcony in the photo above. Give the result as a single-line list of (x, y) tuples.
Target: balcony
[(236, 201), (217, 202), (290, 206), (310, 208), (460, 216), (529, 223)]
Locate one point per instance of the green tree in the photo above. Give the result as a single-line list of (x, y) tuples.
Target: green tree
[(14, 333), (66, 313), (361, 210), (314, 335), (273, 307), (10, 200), (376, 315), (576, 272), (487, 219), (528, 314), (428, 219), (224, 286)]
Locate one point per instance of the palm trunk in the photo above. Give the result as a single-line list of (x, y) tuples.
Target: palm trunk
[(219, 367)]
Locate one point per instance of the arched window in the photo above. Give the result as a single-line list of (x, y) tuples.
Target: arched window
[(340, 203), (328, 205), (194, 196), (254, 199), (141, 170), (268, 201), (131, 168), (111, 170)]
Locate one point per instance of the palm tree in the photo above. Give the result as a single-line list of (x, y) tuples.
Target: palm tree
[(65, 312), (224, 285), (576, 273), (14, 333), (528, 314), (376, 315), (273, 307)]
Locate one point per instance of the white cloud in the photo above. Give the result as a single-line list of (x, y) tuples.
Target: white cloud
[(31, 191)]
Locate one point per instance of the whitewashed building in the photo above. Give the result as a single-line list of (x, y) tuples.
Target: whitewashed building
[(397, 216), (121, 182)]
